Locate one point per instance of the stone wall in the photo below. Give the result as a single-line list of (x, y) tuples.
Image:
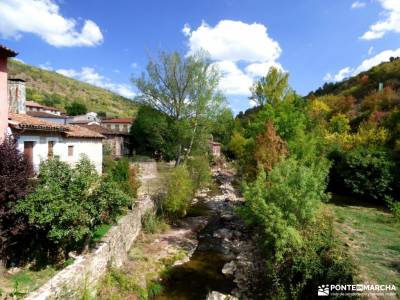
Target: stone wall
[(88, 270)]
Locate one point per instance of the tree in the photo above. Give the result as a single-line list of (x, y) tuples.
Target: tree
[(222, 126), (76, 108), (270, 148), (272, 88), (15, 172), (185, 89)]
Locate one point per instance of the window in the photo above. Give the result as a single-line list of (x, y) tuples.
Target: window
[(28, 151), (70, 150), (125, 127), (50, 149)]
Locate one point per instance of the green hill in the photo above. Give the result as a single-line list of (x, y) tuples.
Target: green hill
[(366, 82), (51, 88)]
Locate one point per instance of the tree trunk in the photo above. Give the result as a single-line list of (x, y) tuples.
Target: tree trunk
[(191, 141), (178, 156)]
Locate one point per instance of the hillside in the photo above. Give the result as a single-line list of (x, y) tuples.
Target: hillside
[(51, 88), (364, 83)]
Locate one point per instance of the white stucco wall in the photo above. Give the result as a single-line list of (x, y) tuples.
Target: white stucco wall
[(92, 148)]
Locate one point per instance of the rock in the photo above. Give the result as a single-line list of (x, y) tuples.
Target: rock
[(223, 233), (229, 268), (218, 296)]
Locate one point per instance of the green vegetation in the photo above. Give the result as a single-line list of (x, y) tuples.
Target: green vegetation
[(372, 238), (68, 203), (76, 108), (181, 92), (51, 88)]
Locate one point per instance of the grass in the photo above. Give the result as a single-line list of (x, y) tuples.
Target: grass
[(24, 281), (372, 237), (100, 232)]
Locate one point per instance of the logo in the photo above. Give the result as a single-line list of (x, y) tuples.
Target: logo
[(323, 290)]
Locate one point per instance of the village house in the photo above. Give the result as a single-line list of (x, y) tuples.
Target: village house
[(40, 139), (32, 106), (84, 119), (114, 142), (5, 53), (122, 125)]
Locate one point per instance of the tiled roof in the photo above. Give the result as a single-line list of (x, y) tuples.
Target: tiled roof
[(43, 114), (118, 120), (82, 132), (100, 129), (38, 105), (4, 51), (23, 121)]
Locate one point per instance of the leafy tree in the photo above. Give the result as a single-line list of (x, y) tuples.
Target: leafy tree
[(270, 148), (200, 173), (76, 108), (271, 89), (184, 89), (15, 172), (366, 172), (339, 124), (222, 126)]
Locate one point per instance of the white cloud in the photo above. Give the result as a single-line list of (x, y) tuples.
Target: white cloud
[(232, 42), (342, 74), (43, 18), (371, 50), (46, 66), (134, 65), (390, 22), (358, 4), (186, 29), (364, 66), (90, 75), (234, 81), (235, 41)]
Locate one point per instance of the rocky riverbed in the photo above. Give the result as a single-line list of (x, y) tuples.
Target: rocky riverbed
[(226, 261), (210, 254)]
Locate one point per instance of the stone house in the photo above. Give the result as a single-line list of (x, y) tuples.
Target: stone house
[(114, 141), (32, 106), (122, 125)]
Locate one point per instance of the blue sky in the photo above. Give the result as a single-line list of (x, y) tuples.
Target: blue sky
[(106, 42)]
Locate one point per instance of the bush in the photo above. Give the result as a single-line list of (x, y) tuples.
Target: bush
[(200, 172), (68, 203), (15, 172), (179, 192), (365, 172), (124, 175)]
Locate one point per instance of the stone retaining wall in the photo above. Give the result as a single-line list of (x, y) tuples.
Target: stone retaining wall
[(88, 270)]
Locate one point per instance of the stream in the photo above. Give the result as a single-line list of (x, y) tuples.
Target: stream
[(226, 260)]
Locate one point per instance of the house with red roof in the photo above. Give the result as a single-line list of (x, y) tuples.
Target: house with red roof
[(39, 138)]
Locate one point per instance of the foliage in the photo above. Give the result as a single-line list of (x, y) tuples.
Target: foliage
[(15, 172), (124, 175), (365, 172), (153, 223), (271, 88), (185, 89), (179, 192), (68, 203), (270, 148), (339, 124), (222, 126), (394, 207), (200, 173), (76, 108), (54, 89)]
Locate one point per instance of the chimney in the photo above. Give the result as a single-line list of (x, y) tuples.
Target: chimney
[(16, 96)]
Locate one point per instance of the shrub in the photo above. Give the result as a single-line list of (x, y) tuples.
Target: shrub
[(394, 207), (366, 172), (124, 175), (179, 192), (68, 203), (200, 172), (14, 185)]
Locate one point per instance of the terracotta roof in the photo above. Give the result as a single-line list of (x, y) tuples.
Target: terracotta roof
[(4, 51), (38, 105), (82, 132), (102, 130), (22, 121), (118, 120), (43, 114)]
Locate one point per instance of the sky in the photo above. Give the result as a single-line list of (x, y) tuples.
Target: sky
[(105, 43)]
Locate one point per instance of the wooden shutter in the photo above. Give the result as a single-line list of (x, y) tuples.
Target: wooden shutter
[(28, 151)]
